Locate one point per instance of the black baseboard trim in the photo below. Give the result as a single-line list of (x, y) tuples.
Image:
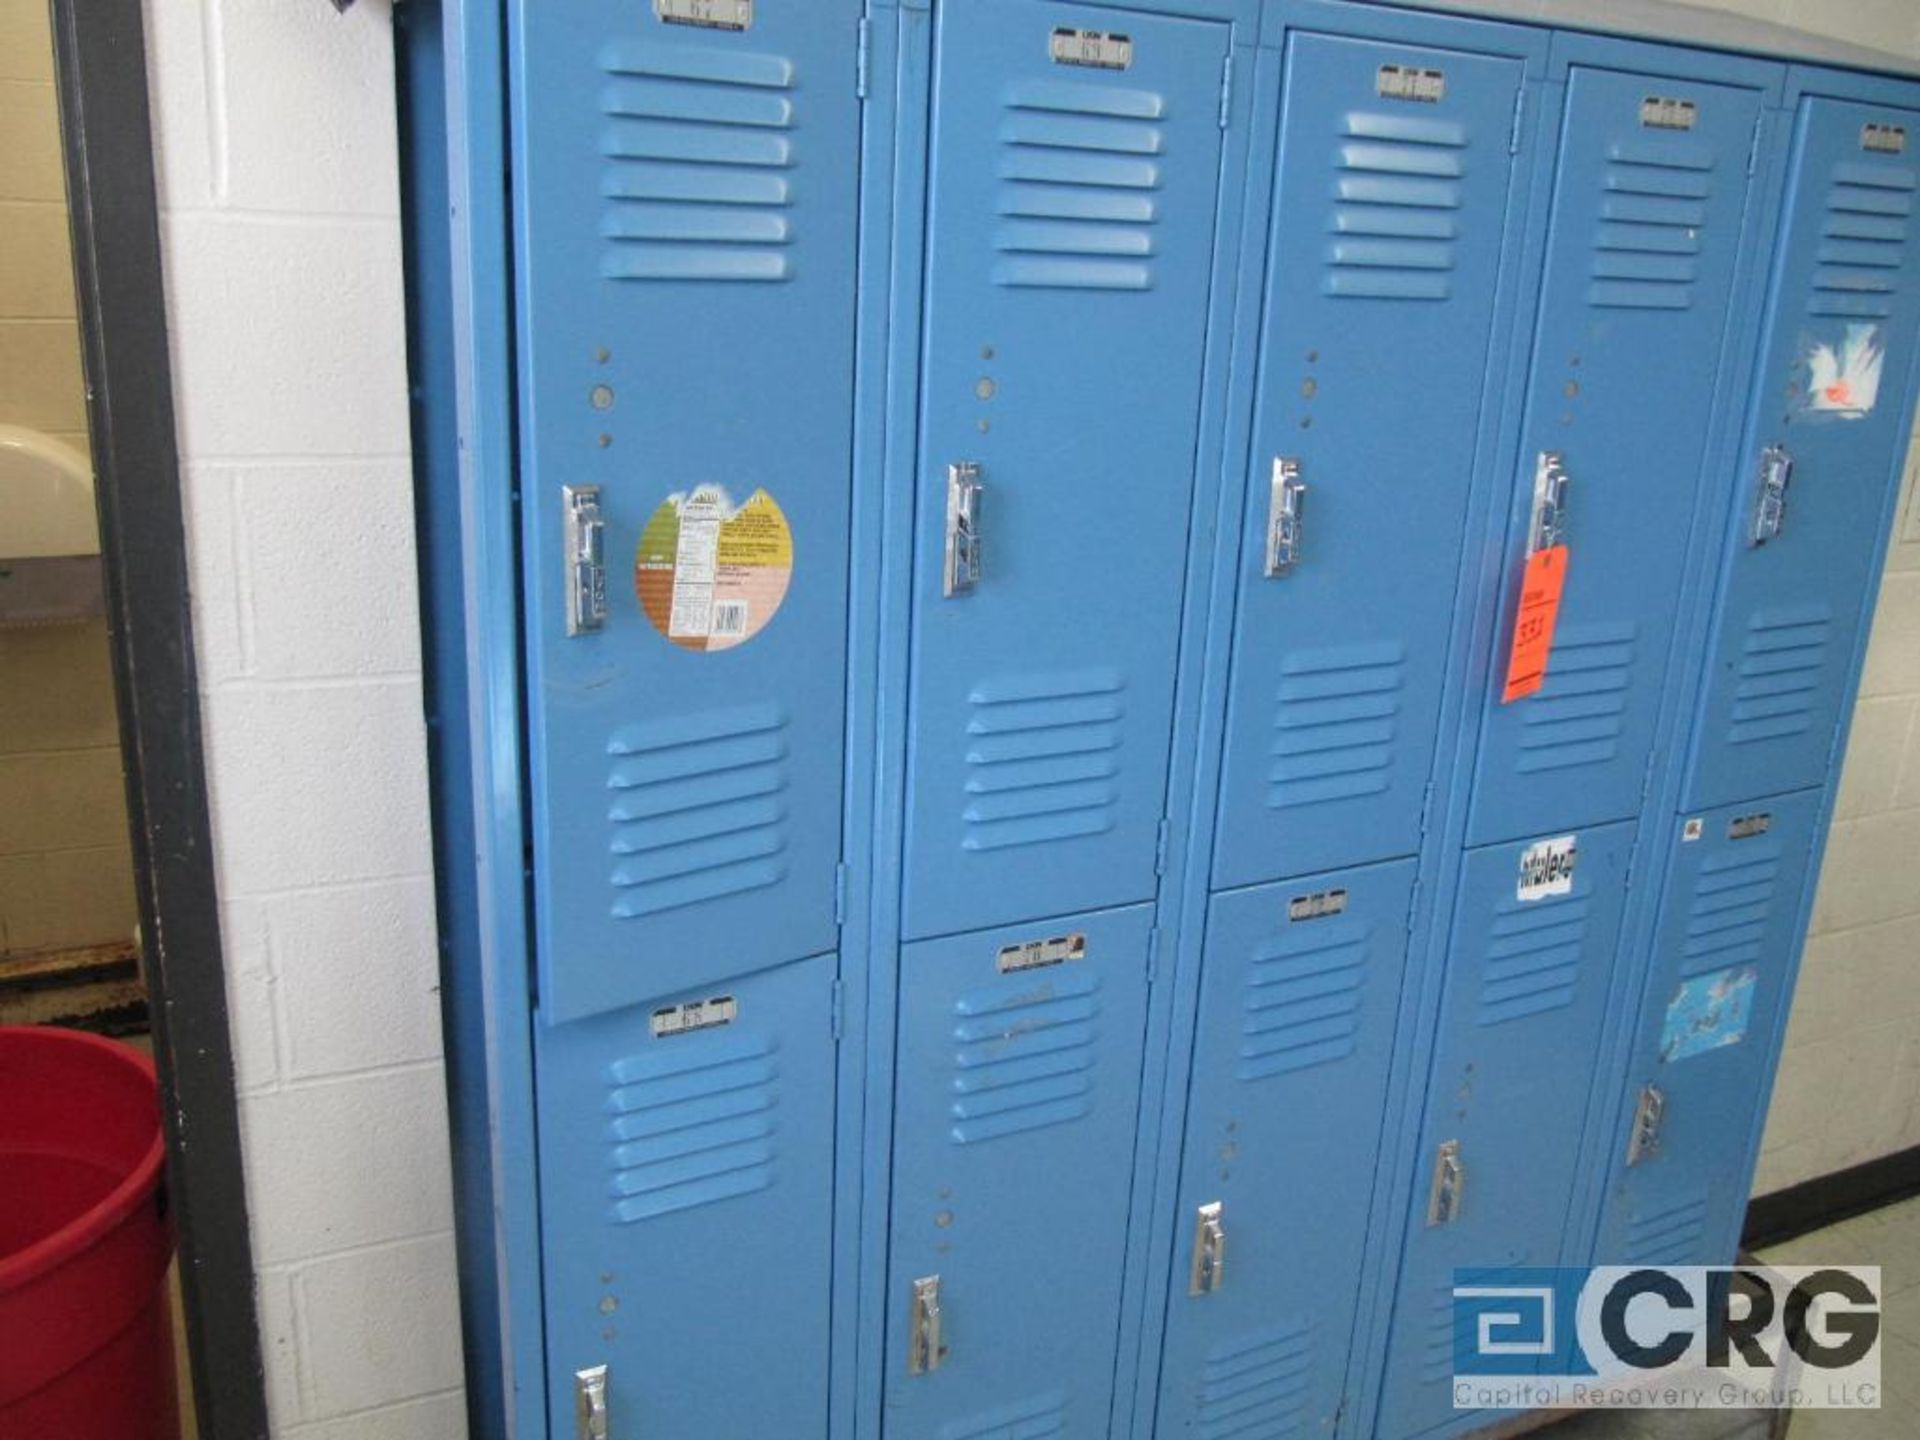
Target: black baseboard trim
[(1829, 1199)]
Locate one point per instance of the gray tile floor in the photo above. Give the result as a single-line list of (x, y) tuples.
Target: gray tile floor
[(1888, 1238)]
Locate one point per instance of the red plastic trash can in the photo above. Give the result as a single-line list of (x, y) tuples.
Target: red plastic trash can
[(86, 1332)]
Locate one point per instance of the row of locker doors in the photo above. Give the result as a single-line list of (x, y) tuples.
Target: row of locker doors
[(1432, 195)]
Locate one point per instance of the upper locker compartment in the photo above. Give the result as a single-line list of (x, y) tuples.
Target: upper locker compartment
[(1075, 184), (687, 200), (1650, 203), (1821, 461), (1389, 219)]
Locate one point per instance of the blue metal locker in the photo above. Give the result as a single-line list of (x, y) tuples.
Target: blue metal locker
[(686, 505), (1395, 169), (1071, 238), (1018, 1092), (1831, 417), (1650, 208), (1299, 996), (1706, 1041), (1530, 968)]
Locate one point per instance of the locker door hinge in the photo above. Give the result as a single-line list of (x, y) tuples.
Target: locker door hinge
[(1519, 120), (1226, 90), (838, 999), (840, 893), (1646, 778), (1753, 148), (862, 57), (1160, 837)]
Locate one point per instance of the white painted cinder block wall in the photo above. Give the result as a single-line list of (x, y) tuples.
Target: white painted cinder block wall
[(277, 161)]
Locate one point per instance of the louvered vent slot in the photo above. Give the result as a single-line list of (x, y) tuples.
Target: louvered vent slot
[(1081, 165), (1303, 998), (1732, 901), (698, 152), (1647, 247), (1437, 1355), (1782, 662), (1040, 1418), (693, 1123), (1398, 191), (1576, 717), (1334, 724), (1671, 1235), (1863, 241), (697, 808), (1024, 1055), (1254, 1387), (1533, 956), (1043, 758)]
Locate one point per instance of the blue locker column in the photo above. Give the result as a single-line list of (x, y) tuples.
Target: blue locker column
[(1299, 995), (1723, 964), (1018, 1092), (1395, 170), (1074, 192), (1822, 456), (1536, 927), (1650, 204)]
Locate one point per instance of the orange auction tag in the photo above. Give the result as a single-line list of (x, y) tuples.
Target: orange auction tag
[(1540, 591)]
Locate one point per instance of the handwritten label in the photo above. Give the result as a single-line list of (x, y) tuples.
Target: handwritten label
[(1546, 867), (1540, 591)]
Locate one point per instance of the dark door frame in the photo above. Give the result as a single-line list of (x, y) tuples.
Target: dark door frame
[(101, 62)]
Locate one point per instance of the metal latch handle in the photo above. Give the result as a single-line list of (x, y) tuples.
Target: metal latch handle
[(586, 559), (1286, 517), (1550, 481), (1770, 505), (1647, 1119), (590, 1403), (1209, 1249), (961, 572), (925, 1351), (1449, 1182)]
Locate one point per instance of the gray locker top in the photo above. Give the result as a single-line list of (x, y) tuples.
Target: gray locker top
[(1684, 24)]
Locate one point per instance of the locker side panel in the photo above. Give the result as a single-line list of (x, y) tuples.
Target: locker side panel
[(1526, 994), (1298, 1001), (1018, 1088), (1649, 212), (686, 1190), (1825, 445), (1385, 255), (1072, 222), (688, 200)]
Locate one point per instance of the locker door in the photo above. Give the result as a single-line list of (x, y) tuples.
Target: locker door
[(1729, 931), (1649, 210), (1298, 1000), (1385, 254), (1072, 235), (1833, 405), (687, 204), (1526, 995), (686, 1204), (1018, 1091)]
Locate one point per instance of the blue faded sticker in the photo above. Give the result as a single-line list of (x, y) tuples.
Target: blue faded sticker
[(1709, 1012)]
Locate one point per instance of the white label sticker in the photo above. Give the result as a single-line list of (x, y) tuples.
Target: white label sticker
[(1546, 868), (1037, 954), (1410, 82), (1886, 139), (695, 1015), (1843, 373), (708, 14), (1661, 112), (1693, 830), (1101, 49)]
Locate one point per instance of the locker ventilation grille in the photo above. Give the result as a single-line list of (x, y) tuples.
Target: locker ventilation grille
[(1303, 999), (1782, 661), (1436, 1358), (1079, 169), (698, 150), (1533, 956), (1024, 1058), (693, 1122), (1334, 724), (1647, 247), (1673, 1235), (1578, 714), (1040, 1418), (1862, 241), (696, 808), (1043, 758), (1732, 901), (1398, 194), (1254, 1387)]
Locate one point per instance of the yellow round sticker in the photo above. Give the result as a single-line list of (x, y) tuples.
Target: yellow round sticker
[(710, 574)]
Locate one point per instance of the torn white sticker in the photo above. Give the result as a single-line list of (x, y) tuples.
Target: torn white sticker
[(1843, 376), (1546, 867)]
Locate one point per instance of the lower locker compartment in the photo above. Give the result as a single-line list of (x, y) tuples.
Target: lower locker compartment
[(1704, 1042), (1017, 1102), (686, 1192), (1530, 965), (1300, 988)]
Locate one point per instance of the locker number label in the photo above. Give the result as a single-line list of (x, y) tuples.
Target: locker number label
[(1317, 906), (1663, 112), (1099, 49), (1745, 827), (1885, 139), (708, 14), (1411, 82), (695, 1015), (1038, 954), (1546, 867)]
